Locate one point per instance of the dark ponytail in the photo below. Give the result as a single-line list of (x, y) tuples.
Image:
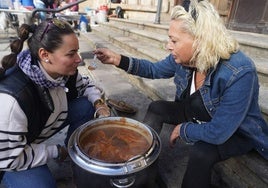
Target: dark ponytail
[(16, 46), (48, 35)]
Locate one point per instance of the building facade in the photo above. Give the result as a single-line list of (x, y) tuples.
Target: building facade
[(242, 15)]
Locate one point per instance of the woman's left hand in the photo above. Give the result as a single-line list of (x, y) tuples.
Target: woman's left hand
[(174, 135), (102, 110)]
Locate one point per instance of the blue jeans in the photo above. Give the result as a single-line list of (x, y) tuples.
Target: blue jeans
[(80, 111)]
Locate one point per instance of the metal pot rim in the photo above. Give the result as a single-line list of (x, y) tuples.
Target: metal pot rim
[(113, 169)]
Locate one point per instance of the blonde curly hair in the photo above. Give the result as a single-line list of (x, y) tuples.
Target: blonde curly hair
[(212, 41)]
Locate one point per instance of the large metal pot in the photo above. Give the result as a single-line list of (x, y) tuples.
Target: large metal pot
[(103, 147)]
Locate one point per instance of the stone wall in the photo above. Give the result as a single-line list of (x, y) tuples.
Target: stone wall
[(146, 9), (240, 15)]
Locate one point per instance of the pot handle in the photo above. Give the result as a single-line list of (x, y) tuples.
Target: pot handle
[(123, 183), (131, 165)]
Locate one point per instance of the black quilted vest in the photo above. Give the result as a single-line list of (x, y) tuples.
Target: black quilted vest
[(35, 101)]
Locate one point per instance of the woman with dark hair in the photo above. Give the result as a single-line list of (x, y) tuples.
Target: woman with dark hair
[(42, 92)]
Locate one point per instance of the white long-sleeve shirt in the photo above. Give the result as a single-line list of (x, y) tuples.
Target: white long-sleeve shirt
[(15, 153)]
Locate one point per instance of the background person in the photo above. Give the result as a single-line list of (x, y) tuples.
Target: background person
[(42, 92), (74, 8), (45, 4), (216, 103)]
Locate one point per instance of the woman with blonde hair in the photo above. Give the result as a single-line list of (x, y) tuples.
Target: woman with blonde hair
[(216, 104)]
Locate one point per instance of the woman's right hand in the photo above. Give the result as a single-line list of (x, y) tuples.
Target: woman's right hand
[(107, 56), (174, 136)]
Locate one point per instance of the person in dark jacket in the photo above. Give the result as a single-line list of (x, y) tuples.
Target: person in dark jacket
[(216, 106), (42, 92)]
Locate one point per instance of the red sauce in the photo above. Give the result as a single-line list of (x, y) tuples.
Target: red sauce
[(114, 144)]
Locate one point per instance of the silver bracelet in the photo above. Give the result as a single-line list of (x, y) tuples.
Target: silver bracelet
[(97, 110)]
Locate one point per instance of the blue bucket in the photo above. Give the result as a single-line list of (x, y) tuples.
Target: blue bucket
[(27, 3)]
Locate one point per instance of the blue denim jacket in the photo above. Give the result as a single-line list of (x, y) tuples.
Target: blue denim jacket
[(230, 95)]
